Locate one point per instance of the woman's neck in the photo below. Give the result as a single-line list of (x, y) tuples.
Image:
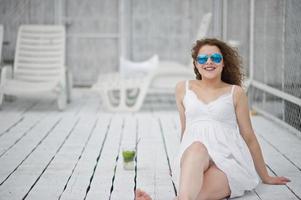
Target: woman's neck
[(211, 83)]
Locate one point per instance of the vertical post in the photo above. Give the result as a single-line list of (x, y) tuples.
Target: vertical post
[(225, 20), (120, 29), (131, 29), (251, 45), (217, 18), (283, 58), (58, 11), (265, 24)]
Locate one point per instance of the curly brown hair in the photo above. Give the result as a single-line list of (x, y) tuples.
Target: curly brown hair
[(232, 72)]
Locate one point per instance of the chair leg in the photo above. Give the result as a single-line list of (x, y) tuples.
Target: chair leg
[(139, 100), (62, 100), (1, 99), (69, 85), (126, 102)]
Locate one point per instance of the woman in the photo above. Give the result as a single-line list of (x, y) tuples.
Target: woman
[(219, 154)]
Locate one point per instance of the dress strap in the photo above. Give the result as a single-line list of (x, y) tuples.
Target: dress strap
[(232, 90), (186, 85)]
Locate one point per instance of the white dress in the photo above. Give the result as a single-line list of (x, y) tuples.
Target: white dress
[(214, 124)]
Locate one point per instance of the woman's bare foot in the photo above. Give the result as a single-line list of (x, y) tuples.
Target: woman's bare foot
[(141, 195)]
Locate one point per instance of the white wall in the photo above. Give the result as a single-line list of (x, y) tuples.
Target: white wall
[(99, 31)]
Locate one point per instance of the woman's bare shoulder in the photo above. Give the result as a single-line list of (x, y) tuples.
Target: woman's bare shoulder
[(180, 89), (193, 84), (238, 90), (180, 86), (239, 94)]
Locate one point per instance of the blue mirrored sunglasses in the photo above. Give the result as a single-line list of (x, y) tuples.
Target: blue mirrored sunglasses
[(215, 57)]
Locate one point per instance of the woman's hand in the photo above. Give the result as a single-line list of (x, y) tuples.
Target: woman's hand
[(276, 180)]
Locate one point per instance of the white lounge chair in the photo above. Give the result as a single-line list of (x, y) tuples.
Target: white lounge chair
[(126, 90), (39, 65), (168, 74)]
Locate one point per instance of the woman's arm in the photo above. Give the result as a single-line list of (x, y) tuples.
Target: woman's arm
[(246, 130), (180, 92)]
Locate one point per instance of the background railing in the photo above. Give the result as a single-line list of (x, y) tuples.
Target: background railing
[(268, 37)]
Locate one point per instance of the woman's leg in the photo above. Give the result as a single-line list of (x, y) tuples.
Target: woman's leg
[(194, 161), (215, 185)]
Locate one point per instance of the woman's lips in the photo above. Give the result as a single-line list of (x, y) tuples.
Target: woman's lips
[(209, 68)]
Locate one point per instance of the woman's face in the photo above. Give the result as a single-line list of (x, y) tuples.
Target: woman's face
[(209, 62)]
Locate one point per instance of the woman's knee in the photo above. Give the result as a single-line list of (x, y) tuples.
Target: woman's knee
[(196, 151), (197, 147)]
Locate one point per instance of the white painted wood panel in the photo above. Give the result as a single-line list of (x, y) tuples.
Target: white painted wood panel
[(276, 159), (101, 182), (124, 179), (280, 138), (57, 173), (152, 167), (14, 157), (17, 133), (18, 126), (40, 155), (77, 186)]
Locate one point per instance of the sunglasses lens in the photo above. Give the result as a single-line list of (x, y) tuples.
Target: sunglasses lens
[(216, 57), (202, 59)]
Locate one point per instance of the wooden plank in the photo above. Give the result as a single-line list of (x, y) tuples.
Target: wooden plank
[(152, 167), (172, 140), (280, 138), (60, 168), (13, 122), (16, 111), (101, 181), (37, 156), (87, 108), (70, 154), (8, 122), (171, 134), (17, 107), (16, 156), (279, 165), (76, 187), (250, 195), (274, 192), (124, 179), (16, 133), (146, 155), (163, 187)]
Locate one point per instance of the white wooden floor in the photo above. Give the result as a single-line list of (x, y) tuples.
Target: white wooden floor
[(76, 154)]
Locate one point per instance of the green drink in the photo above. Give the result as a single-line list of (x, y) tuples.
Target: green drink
[(128, 159)]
